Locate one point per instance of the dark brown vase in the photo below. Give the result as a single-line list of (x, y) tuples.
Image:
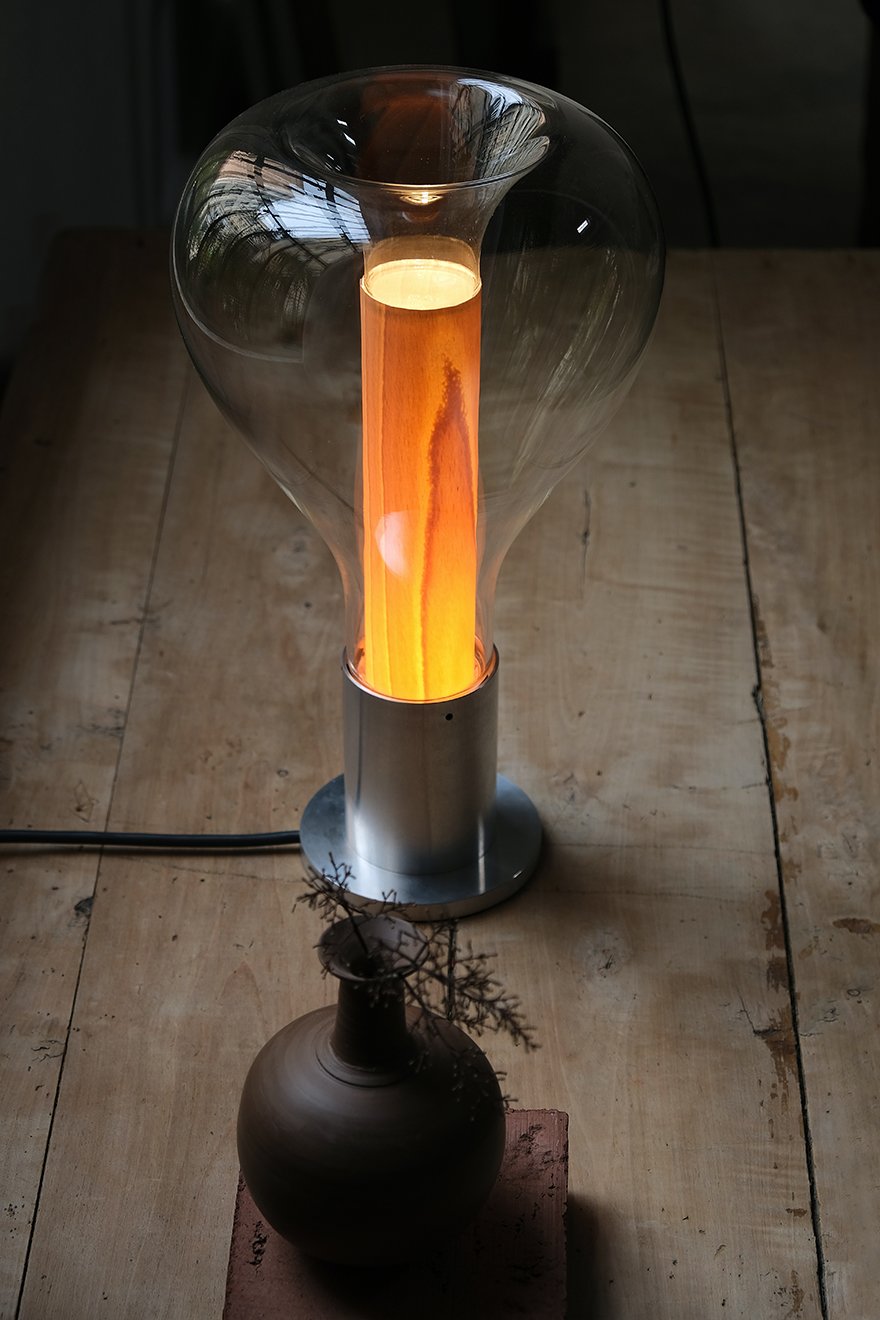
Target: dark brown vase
[(369, 1131)]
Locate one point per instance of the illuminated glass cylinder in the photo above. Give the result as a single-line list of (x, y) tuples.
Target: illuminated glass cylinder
[(420, 337)]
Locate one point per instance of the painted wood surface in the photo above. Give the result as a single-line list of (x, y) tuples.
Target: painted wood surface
[(88, 429), (652, 948), (802, 338)]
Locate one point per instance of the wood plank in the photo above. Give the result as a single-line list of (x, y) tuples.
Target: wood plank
[(652, 958), (193, 962), (646, 950), (803, 347), (85, 445), (242, 657)]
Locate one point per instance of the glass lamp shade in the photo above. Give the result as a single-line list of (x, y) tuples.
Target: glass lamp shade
[(419, 293)]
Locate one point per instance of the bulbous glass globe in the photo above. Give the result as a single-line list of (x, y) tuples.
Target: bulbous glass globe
[(420, 294)]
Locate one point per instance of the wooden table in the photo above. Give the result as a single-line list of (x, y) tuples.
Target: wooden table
[(699, 950)]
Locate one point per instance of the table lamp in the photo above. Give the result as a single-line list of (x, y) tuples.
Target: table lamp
[(419, 293)]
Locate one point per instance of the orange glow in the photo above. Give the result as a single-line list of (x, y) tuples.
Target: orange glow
[(420, 330)]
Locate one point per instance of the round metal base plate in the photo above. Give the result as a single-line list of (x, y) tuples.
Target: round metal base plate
[(501, 871)]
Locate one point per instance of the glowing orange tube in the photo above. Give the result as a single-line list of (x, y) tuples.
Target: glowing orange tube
[(420, 334)]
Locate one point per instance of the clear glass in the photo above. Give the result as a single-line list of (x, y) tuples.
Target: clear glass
[(420, 294)]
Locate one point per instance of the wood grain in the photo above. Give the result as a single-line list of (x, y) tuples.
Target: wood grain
[(646, 951), (652, 953), (180, 984), (802, 336), (87, 434)]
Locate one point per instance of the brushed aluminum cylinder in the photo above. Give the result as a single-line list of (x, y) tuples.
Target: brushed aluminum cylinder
[(420, 776), (420, 818)]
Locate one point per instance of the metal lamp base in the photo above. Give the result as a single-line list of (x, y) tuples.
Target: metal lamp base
[(420, 817), (503, 869)]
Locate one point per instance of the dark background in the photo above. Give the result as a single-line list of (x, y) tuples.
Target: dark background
[(751, 117)]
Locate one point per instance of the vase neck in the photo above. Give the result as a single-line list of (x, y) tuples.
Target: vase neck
[(370, 1030)]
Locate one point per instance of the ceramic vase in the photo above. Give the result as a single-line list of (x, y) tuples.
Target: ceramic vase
[(370, 1131)]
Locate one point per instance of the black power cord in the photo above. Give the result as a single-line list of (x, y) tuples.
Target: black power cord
[(134, 841)]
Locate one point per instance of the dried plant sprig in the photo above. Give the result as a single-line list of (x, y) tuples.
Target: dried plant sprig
[(459, 982)]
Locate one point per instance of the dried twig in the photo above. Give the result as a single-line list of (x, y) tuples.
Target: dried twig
[(458, 981)]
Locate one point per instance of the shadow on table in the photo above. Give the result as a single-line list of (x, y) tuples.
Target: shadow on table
[(590, 1285), (470, 1279)]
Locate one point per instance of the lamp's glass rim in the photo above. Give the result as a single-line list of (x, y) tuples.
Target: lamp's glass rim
[(538, 98)]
